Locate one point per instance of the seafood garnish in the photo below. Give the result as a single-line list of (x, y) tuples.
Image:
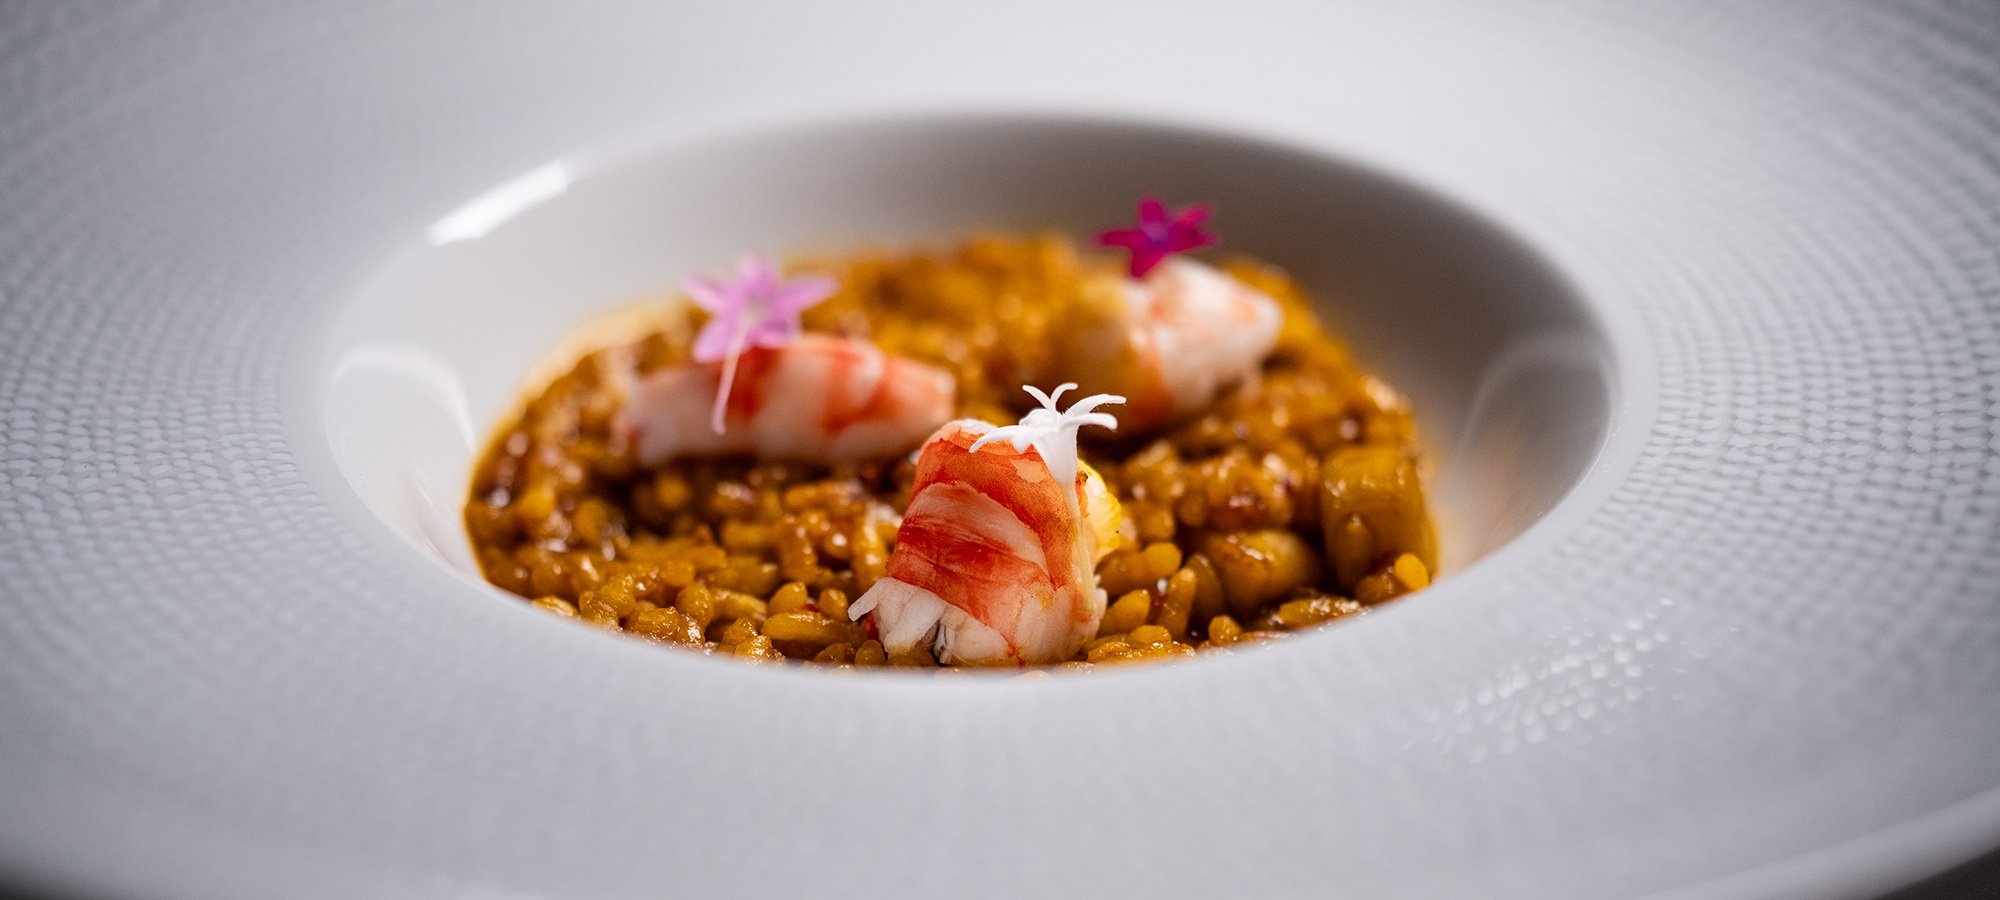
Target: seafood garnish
[(818, 398), (1172, 342), (1176, 332), (994, 562), (756, 309)]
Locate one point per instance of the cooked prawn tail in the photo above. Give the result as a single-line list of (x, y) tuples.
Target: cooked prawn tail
[(909, 616)]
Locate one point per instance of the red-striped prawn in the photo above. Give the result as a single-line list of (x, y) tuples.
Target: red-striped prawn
[(994, 563), (818, 398)]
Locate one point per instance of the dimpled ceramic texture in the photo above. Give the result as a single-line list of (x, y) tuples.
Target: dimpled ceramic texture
[(1751, 654)]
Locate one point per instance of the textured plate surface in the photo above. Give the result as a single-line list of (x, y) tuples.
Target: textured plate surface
[(1754, 655)]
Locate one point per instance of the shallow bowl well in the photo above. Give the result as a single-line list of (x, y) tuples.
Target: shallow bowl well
[(1509, 372)]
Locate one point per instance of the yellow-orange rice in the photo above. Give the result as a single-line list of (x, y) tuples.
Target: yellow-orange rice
[(1291, 501)]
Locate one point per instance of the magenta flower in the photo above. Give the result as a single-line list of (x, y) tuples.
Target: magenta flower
[(758, 309), (1158, 235)]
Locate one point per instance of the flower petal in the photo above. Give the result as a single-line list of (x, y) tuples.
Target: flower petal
[(1192, 217), (1129, 238), (712, 344), (795, 296), (1189, 241), (1085, 405), (709, 295), (1145, 259), (759, 286), (773, 333), (755, 274), (1157, 235), (1151, 210)]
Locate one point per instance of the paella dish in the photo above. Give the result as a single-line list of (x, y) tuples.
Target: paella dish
[(1012, 450)]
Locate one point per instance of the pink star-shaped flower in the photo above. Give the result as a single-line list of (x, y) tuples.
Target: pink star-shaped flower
[(1158, 235), (758, 309)]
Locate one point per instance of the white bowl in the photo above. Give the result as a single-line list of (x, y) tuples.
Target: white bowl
[(1750, 651), (1508, 368)]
